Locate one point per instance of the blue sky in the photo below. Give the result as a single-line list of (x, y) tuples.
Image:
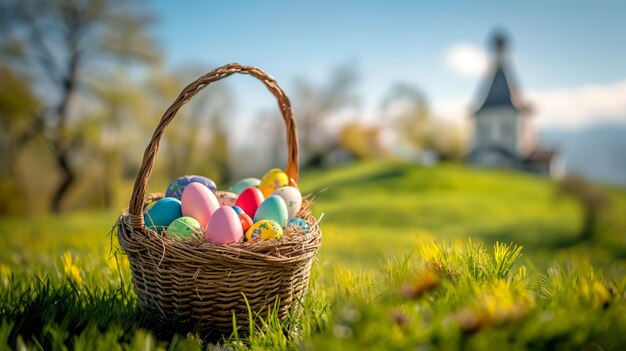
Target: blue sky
[(565, 53)]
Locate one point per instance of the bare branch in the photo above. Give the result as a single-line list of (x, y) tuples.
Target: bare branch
[(44, 54)]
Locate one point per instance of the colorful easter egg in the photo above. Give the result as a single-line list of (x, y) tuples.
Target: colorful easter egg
[(226, 198), (237, 209), (162, 213), (183, 228), (292, 197), (298, 224), (273, 180), (199, 202), (178, 185), (243, 184), (224, 227), (273, 208), (249, 200), (246, 221), (264, 230)]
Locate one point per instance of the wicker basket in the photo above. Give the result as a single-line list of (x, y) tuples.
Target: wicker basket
[(207, 286)]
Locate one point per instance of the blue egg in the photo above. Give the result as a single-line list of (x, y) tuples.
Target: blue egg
[(298, 224), (162, 213), (272, 208), (178, 185), (238, 209)]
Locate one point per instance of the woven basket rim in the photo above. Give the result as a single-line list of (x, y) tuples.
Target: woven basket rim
[(298, 243)]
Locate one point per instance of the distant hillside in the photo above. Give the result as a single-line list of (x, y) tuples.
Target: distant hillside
[(370, 208), (598, 152)]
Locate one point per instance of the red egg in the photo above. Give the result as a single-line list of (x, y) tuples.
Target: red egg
[(246, 221), (249, 200), (224, 227)]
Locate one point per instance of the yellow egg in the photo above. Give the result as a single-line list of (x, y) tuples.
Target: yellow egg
[(272, 180), (264, 230)]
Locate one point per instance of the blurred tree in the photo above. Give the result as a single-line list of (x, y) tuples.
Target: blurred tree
[(270, 123), (111, 127), (361, 141), (410, 116), (196, 141), (18, 105), (315, 104), (56, 42), (450, 141), (592, 200), (407, 110)]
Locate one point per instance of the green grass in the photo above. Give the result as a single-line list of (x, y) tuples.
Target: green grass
[(410, 259), (375, 208)]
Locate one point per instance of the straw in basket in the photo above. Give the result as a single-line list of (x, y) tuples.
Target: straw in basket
[(208, 286)]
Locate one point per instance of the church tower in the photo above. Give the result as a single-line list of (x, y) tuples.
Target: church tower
[(502, 131)]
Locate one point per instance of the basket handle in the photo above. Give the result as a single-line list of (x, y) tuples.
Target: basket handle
[(135, 207)]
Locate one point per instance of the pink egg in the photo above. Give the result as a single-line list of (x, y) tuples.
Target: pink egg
[(199, 202), (224, 227), (249, 200)]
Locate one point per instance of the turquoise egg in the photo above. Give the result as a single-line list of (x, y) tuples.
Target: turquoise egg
[(273, 208), (244, 184), (162, 213), (298, 224)]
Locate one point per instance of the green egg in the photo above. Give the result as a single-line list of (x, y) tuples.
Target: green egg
[(183, 228), (244, 184)]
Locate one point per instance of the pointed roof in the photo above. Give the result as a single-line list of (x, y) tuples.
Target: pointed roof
[(502, 91)]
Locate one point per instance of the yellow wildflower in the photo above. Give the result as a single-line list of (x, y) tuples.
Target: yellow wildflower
[(70, 268), (5, 273), (5, 270), (496, 303)]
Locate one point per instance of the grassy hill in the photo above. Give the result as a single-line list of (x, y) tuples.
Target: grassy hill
[(373, 208), (385, 225)]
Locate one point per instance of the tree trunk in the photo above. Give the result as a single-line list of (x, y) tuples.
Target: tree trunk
[(67, 180), (107, 193), (61, 143)]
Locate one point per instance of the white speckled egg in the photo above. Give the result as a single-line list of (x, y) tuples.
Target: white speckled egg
[(226, 198), (292, 197)]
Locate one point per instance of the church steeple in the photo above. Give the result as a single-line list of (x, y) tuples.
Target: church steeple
[(503, 132), (501, 91), (499, 46)]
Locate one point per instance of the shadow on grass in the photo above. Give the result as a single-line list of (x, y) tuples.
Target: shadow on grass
[(532, 234), (551, 241), (48, 316), (376, 178)]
